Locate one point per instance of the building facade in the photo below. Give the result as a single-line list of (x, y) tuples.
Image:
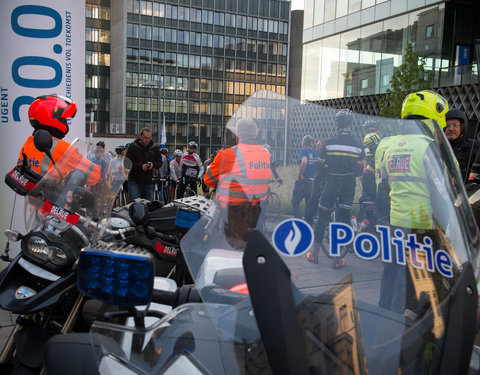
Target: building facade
[(351, 48), (189, 64)]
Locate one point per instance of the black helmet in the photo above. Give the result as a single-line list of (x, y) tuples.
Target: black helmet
[(370, 126), (456, 113), (119, 149), (164, 151), (343, 118)]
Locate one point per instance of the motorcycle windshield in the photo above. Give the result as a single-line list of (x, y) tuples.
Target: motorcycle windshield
[(381, 293), (74, 190), (375, 276)]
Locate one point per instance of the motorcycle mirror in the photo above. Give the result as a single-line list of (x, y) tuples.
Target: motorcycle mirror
[(42, 141), (13, 235), (139, 213)]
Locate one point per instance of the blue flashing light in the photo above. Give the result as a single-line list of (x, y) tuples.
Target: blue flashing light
[(186, 219), (122, 278)]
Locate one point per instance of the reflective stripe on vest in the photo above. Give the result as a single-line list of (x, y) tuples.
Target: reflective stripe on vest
[(211, 176)]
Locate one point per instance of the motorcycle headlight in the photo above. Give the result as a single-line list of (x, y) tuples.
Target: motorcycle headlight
[(41, 250)]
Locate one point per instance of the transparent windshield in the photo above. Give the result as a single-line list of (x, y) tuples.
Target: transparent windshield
[(74, 188), (368, 218), (368, 266)]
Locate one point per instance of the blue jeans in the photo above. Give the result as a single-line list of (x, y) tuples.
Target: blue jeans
[(136, 190)]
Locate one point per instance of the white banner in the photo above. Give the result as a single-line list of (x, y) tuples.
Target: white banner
[(42, 52)]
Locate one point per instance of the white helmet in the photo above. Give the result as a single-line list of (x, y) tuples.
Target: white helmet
[(178, 152)]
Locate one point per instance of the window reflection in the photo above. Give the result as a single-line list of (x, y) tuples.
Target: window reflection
[(364, 59)]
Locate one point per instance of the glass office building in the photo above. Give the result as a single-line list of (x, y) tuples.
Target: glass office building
[(191, 63), (97, 64), (352, 47)]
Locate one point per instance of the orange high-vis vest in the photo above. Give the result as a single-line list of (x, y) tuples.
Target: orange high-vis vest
[(241, 174), (41, 163)]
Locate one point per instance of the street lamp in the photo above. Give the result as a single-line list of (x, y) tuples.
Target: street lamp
[(153, 84)]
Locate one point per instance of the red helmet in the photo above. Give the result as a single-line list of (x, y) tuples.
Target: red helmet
[(50, 112)]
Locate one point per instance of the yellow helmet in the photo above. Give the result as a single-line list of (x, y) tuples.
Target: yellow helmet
[(425, 104), (371, 141)]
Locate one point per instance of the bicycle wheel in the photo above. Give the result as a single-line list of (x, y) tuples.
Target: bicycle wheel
[(274, 204)]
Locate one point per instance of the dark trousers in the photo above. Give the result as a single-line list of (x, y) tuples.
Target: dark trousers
[(184, 182), (302, 190)]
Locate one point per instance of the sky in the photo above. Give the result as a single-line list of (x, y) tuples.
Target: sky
[(297, 4)]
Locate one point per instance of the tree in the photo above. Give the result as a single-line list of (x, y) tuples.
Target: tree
[(410, 76)]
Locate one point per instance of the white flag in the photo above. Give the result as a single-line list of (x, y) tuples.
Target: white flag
[(164, 135)]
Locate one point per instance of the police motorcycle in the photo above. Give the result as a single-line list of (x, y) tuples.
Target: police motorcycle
[(63, 216), (405, 302)]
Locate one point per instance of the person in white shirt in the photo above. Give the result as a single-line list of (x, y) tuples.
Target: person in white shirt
[(192, 170)]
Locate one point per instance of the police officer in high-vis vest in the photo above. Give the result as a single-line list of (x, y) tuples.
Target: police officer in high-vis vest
[(51, 113), (412, 178), (241, 175)]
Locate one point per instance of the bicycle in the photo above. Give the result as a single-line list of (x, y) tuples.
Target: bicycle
[(188, 192), (160, 190), (121, 199), (274, 205)]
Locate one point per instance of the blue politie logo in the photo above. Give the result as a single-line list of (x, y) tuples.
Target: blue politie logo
[(293, 237)]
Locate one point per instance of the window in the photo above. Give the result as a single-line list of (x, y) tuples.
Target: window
[(171, 12), (182, 60), (145, 32), (183, 14), (171, 36), (158, 10), (183, 37), (132, 30), (133, 6), (343, 317), (146, 8), (158, 57), (219, 19), (145, 56), (182, 83), (132, 104), (364, 83), (429, 31), (218, 41), (132, 55), (159, 34), (182, 106)]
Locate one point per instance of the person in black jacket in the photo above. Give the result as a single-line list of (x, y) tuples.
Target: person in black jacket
[(344, 156), (145, 157), (464, 149)]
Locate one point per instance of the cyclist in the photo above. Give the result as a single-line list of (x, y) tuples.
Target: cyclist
[(192, 169), (303, 185), (318, 184), (51, 113), (118, 173), (161, 174), (370, 126), (367, 200), (464, 149), (175, 172), (344, 156)]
